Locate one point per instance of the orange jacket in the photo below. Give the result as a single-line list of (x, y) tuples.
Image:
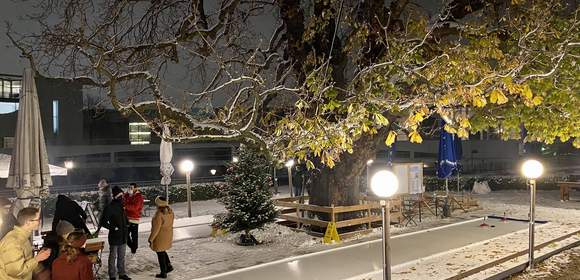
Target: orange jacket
[(79, 269)]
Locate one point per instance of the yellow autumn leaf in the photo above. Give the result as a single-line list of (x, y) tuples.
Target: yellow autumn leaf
[(502, 99), (576, 143), (526, 92), (479, 101), (462, 133), (391, 137), (415, 137), (329, 162), (418, 117), (464, 122), (450, 129), (537, 100), (381, 120), (497, 96), (309, 165)]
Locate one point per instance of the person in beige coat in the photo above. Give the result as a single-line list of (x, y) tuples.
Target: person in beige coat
[(161, 236)]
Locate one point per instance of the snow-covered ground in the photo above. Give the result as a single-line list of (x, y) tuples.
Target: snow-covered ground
[(195, 258)]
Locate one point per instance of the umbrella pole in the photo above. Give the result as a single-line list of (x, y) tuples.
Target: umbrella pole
[(458, 185), (447, 186), (167, 193)]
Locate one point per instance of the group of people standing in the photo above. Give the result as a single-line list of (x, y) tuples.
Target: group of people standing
[(62, 256)]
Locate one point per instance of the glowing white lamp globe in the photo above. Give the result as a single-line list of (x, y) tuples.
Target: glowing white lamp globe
[(186, 166), (69, 164), (235, 159), (532, 169), (289, 163), (384, 183), (213, 171)]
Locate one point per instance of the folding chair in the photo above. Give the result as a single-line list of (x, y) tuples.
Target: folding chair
[(408, 211), (94, 251)]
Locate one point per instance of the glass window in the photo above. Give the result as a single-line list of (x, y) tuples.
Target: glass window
[(139, 133), (55, 119), (16, 87), (5, 88)]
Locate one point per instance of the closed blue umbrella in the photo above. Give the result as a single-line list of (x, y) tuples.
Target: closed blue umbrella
[(447, 159)]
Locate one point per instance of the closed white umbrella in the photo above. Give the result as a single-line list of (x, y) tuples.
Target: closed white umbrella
[(29, 174), (5, 166), (165, 156)]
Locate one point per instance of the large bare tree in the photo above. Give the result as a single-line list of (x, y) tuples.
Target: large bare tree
[(324, 81)]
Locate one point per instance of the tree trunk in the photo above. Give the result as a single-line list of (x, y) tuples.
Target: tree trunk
[(340, 186)]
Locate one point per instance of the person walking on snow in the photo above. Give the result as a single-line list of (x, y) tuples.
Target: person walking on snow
[(16, 259), (133, 201), (161, 236), (115, 220)]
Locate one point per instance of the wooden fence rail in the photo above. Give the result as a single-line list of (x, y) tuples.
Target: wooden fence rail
[(364, 214)]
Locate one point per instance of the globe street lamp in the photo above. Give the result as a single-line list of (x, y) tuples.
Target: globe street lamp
[(532, 170), (384, 184), (186, 166), (213, 171), (68, 164), (289, 165)]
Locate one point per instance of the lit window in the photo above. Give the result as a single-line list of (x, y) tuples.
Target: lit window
[(8, 107), (139, 133), (16, 87), (10, 88), (55, 117)]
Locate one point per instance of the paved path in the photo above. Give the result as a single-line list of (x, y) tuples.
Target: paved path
[(359, 259), (183, 229)]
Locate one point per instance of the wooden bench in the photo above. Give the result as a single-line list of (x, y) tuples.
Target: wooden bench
[(565, 189)]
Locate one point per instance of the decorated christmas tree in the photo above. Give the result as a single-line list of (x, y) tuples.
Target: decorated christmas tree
[(247, 197)]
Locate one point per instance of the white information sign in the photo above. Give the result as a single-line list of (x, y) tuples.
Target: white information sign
[(410, 177)]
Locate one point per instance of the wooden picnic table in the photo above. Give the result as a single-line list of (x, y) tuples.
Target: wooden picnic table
[(565, 189)]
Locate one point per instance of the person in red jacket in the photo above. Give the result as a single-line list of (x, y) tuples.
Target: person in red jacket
[(133, 202), (72, 264)]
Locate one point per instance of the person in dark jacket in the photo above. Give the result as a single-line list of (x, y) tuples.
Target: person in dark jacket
[(70, 211), (115, 220), (133, 202)]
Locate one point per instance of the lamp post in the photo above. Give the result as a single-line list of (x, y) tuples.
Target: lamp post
[(532, 170), (186, 167), (289, 165), (384, 184)]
